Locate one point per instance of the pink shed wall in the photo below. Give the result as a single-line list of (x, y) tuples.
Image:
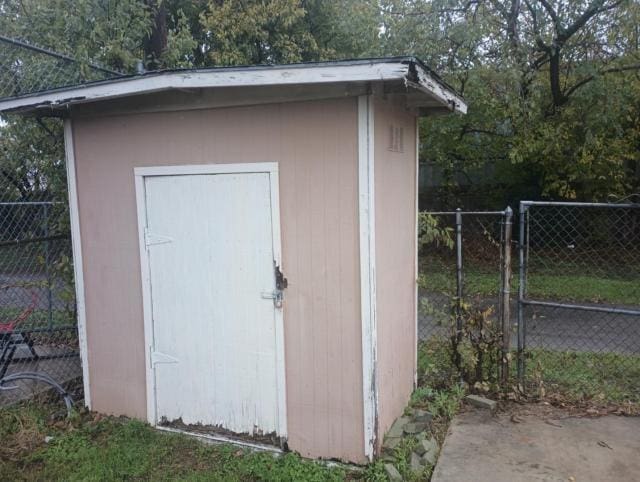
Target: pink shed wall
[(315, 144), (395, 208)]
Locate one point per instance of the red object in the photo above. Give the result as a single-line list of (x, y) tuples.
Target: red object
[(10, 326)]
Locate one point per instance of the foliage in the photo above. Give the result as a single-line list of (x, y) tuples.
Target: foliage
[(110, 31), (286, 31), (180, 44), (439, 391), (552, 88), (32, 160), (431, 232), (475, 345), (257, 32)]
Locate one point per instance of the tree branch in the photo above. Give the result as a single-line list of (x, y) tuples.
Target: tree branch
[(611, 70), (552, 13), (594, 9), (512, 23)]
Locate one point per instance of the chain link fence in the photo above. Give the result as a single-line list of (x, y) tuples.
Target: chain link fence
[(27, 69), (566, 326), (38, 327), (38, 330), (462, 286), (579, 300)]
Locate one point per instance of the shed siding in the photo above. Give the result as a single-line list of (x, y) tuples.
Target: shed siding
[(395, 192), (315, 144)]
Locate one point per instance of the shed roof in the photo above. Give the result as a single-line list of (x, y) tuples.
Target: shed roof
[(406, 76)]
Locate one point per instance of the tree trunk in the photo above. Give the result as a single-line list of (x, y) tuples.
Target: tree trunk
[(554, 77), (156, 42)]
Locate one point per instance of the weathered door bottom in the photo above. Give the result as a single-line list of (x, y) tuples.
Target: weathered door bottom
[(270, 441)]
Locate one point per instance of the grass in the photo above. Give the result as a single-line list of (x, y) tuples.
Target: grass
[(584, 288), (586, 377), (88, 447), (573, 287), (91, 447)]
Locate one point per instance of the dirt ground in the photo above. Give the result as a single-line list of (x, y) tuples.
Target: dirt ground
[(539, 443)]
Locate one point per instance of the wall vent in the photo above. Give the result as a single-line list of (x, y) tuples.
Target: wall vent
[(396, 138)]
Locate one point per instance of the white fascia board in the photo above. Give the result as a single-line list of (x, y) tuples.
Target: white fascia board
[(428, 84), (380, 71), (420, 79)]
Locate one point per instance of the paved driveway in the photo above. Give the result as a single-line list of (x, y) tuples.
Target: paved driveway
[(557, 329)]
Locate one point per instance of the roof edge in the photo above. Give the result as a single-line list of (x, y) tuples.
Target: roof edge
[(406, 68)]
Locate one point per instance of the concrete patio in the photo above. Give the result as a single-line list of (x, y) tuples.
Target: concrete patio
[(505, 448)]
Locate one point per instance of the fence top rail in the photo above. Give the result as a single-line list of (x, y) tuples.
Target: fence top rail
[(571, 306), (32, 203), (474, 213), (579, 204), (66, 58)]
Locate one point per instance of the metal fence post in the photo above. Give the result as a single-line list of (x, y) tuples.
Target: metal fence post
[(459, 269), (506, 295), (521, 293), (458, 283), (47, 263)]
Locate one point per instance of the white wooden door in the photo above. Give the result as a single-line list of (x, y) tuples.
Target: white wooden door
[(215, 352)]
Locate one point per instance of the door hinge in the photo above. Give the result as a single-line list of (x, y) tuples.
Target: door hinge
[(159, 357), (150, 239)]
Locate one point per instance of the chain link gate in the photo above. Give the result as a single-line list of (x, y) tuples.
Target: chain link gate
[(465, 270), (578, 316)]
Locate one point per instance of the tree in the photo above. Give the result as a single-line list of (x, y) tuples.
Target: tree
[(258, 32), (110, 31), (284, 31), (162, 34), (547, 83), (552, 85)]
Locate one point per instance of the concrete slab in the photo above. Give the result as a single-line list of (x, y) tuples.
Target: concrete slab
[(492, 448)]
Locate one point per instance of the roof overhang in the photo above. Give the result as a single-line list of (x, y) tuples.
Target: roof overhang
[(405, 76)]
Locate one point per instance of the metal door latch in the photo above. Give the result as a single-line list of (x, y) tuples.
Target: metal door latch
[(277, 295)]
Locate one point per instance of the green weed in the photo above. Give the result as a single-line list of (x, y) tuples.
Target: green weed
[(117, 449)]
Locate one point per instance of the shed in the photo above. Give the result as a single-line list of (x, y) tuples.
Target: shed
[(244, 243)]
